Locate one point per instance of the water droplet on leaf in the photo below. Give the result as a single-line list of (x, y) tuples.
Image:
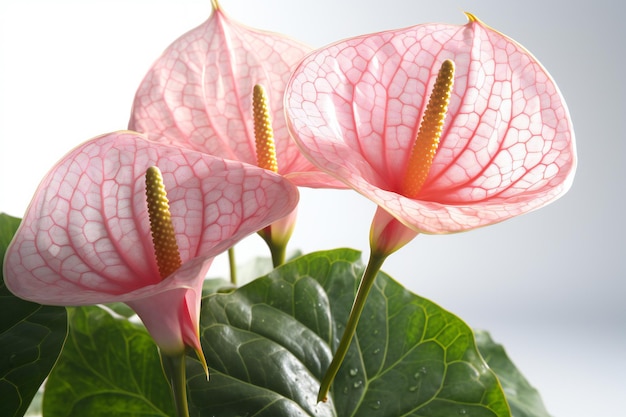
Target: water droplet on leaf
[(375, 405), (421, 372)]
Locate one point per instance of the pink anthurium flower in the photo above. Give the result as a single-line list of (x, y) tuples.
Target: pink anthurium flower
[(507, 146), (93, 232), (199, 95), (498, 139)]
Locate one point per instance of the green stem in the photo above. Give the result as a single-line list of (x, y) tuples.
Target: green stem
[(279, 254), (232, 265), (369, 277), (277, 249), (174, 367)]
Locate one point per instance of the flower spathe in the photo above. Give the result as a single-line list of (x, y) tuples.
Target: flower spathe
[(198, 94), (507, 145), (86, 238)]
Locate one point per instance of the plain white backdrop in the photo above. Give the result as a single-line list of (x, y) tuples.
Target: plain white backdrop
[(549, 285)]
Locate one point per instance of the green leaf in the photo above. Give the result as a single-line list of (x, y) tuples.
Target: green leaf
[(268, 344), (109, 366), (31, 337), (523, 399)]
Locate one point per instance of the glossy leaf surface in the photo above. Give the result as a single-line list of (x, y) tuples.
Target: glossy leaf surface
[(523, 398), (272, 337), (109, 366), (31, 338), (269, 342)]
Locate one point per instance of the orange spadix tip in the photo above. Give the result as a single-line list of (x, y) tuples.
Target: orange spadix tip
[(427, 140)]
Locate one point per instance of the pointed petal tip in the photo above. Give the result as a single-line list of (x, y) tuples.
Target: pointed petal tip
[(471, 18), (202, 361)]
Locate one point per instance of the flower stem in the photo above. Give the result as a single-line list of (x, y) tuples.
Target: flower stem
[(232, 265), (279, 254), (374, 264), (174, 367), (277, 247)]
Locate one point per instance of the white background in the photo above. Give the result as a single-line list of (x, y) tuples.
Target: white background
[(548, 285)]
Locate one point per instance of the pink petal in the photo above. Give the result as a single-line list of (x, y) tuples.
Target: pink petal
[(85, 238), (508, 144), (198, 94), (387, 234), (172, 317)]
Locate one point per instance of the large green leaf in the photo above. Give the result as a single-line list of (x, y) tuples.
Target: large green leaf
[(109, 367), (523, 399), (31, 337), (269, 343)]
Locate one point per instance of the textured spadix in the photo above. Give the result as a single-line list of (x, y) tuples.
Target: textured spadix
[(86, 237), (263, 132), (507, 145), (427, 141), (198, 94), (163, 233)]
